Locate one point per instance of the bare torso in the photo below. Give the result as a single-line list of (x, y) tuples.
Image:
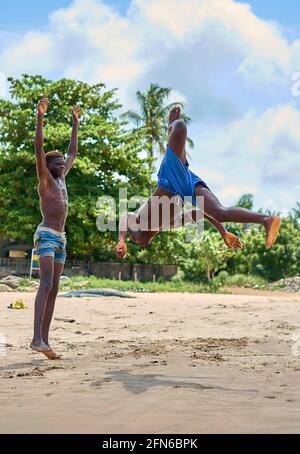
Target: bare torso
[(152, 212), (53, 203)]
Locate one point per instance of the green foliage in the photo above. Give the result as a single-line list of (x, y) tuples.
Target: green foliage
[(163, 286), (204, 257), (245, 201), (240, 280), (281, 261), (199, 260), (202, 260), (108, 159)]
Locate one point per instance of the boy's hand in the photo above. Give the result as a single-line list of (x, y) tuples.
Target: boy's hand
[(232, 241), (76, 114), (42, 106), (121, 249)]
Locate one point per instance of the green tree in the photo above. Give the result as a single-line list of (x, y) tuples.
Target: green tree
[(295, 215), (108, 159), (200, 259), (208, 255), (283, 260), (245, 201), (153, 116)]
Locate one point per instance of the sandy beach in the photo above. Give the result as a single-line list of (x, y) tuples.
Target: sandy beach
[(154, 363)]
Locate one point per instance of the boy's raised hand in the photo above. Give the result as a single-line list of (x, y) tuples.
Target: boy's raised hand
[(76, 114), (42, 106)]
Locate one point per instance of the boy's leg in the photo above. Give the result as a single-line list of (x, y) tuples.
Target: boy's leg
[(58, 268), (216, 210), (194, 214), (46, 265)]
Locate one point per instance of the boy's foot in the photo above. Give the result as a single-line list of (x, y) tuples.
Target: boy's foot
[(41, 347), (174, 114), (272, 229)]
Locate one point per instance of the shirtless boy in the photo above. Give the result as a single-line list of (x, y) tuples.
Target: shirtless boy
[(49, 238)]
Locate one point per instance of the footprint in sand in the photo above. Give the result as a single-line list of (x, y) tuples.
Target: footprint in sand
[(36, 372)]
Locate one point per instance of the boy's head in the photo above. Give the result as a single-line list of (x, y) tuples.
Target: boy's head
[(55, 163)]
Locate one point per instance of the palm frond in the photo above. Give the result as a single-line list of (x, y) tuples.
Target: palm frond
[(132, 116), (190, 142)]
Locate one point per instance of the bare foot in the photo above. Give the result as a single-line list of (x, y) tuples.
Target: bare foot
[(272, 229), (52, 355), (41, 347), (232, 241), (174, 114)]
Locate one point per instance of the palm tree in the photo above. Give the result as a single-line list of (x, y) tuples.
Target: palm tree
[(153, 117)]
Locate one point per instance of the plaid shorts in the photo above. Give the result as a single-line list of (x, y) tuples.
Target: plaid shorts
[(49, 244)]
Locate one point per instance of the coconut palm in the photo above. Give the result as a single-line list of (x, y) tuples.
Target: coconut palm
[(153, 117)]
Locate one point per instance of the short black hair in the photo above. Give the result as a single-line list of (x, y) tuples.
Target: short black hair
[(52, 155)]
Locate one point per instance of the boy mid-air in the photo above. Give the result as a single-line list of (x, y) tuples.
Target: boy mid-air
[(49, 238), (176, 179)]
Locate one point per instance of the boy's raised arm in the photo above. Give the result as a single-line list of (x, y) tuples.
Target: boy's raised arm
[(73, 147), (41, 165)]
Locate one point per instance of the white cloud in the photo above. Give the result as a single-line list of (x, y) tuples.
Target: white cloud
[(232, 192), (90, 38), (34, 53), (258, 153)]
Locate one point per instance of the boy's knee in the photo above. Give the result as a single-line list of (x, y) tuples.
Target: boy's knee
[(46, 284), (144, 242), (55, 287), (140, 238)]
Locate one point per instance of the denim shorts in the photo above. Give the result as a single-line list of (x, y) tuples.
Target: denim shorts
[(48, 244)]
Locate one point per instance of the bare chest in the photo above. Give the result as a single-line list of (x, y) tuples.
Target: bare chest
[(55, 191)]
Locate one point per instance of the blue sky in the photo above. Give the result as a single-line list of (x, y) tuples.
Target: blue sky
[(231, 66), (16, 15), (286, 12)]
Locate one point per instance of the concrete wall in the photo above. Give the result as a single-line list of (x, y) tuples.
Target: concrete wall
[(143, 272)]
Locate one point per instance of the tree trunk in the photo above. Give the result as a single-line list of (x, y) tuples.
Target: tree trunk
[(150, 152), (208, 273)]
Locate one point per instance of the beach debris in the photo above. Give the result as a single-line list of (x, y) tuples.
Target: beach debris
[(18, 304), (80, 285), (65, 319), (34, 285), (5, 288), (289, 284), (94, 292), (12, 281), (65, 279)]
